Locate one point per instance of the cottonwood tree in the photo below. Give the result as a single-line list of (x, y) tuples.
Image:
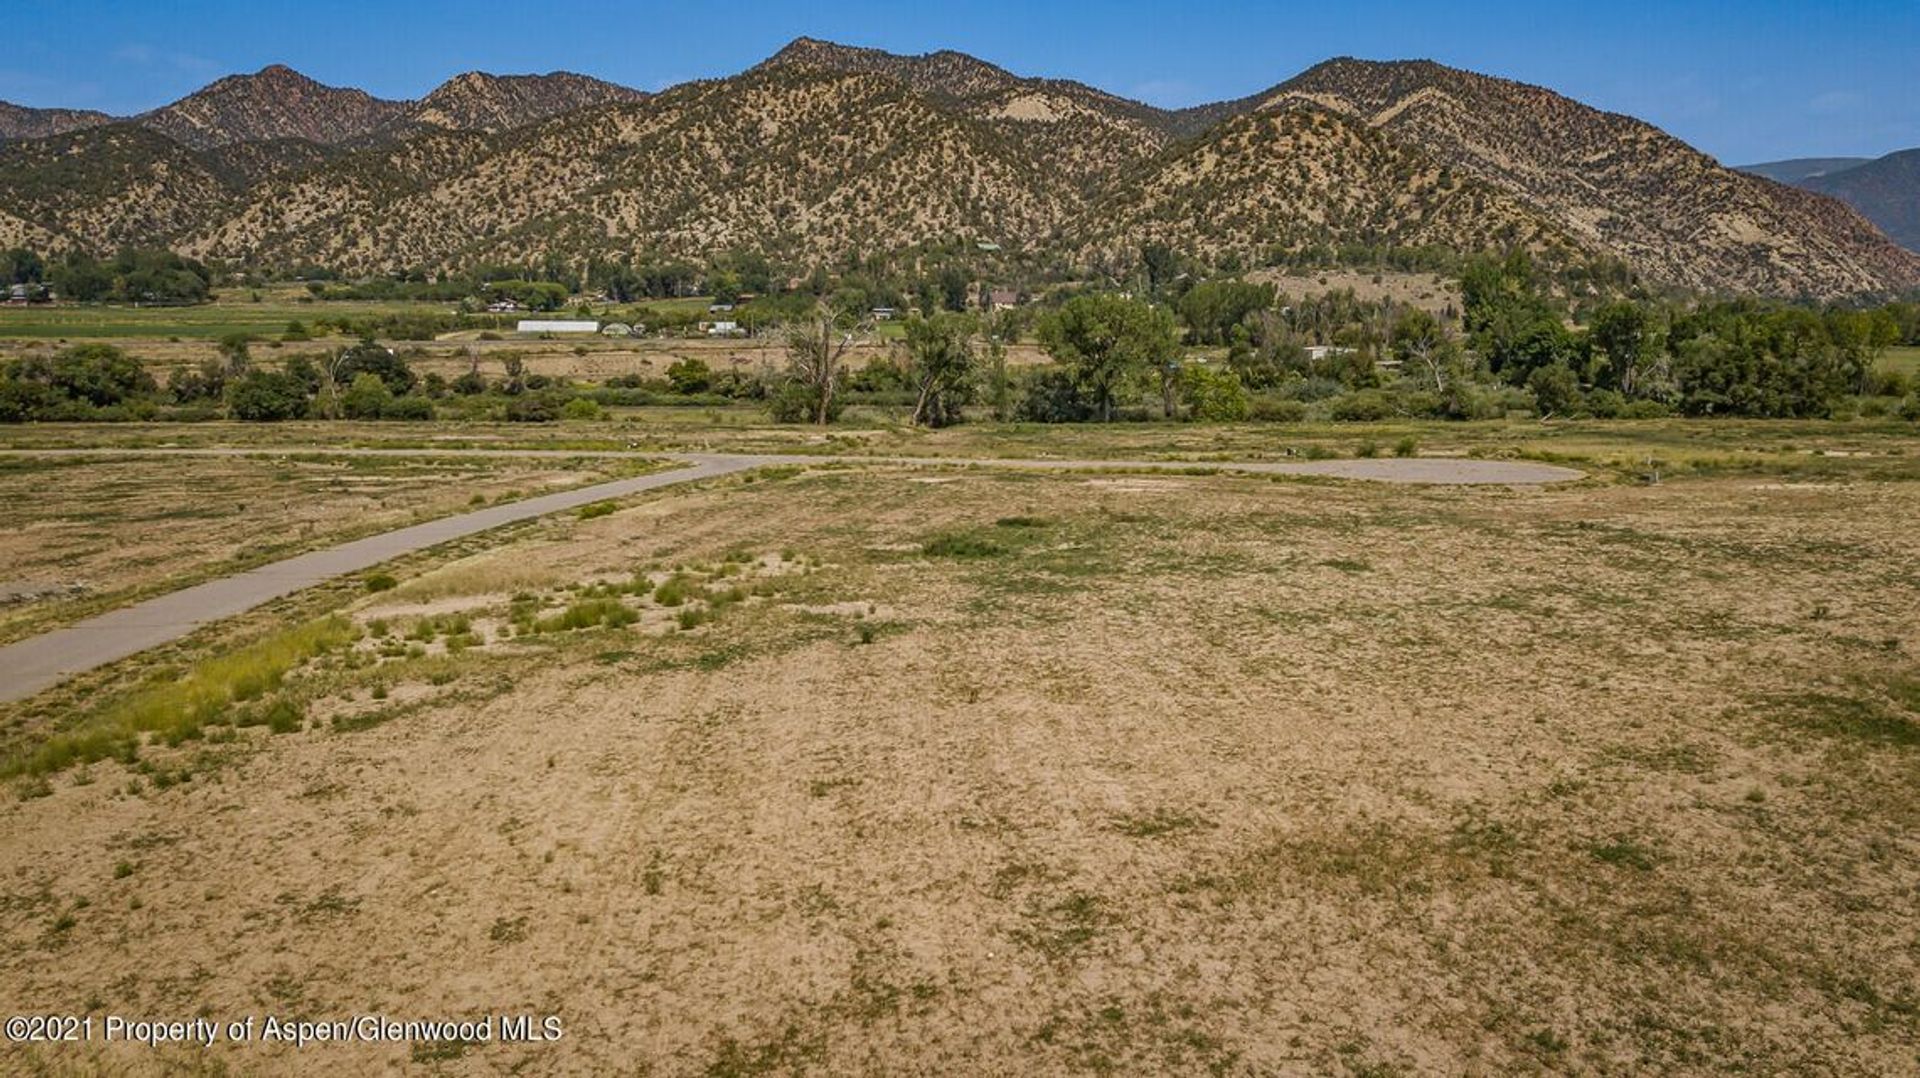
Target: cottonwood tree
[(1107, 341), (941, 366), (817, 348), (1420, 342), (1624, 338)]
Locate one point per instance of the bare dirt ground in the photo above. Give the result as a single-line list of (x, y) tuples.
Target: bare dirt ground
[(1034, 773), (82, 535)]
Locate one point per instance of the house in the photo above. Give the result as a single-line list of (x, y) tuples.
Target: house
[(723, 329), (719, 308), (1002, 299), (17, 296), (882, 314), (616, 329), (503, 306), (1318, 352), (537, 325)]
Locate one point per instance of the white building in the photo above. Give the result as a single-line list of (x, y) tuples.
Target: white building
[(535, 325)]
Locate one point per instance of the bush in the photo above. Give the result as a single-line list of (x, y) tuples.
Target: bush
[(1556, 390), (1276, 410), (369, 357), (367, 398), (266, 397), (794, 403), (408, 407), (689, 376), (1362, 406), (1052, 396), (1213, 395), (1605, 404), (530, 409), (581, 408)]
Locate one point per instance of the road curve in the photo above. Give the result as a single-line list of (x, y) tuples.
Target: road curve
[(40, 662)]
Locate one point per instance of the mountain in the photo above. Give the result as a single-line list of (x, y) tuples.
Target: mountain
[(18, 121), (108, 187), (1886, 191), (1084, 132), (1298, 178), (807, 164), (1797, 169), (277, 102), (477, 101), (1616, 185), (826, 151)]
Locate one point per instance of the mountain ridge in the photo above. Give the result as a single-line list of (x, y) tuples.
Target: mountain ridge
[(823, 151)]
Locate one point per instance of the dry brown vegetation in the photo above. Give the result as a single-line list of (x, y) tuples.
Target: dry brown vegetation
[(80, 535), (1026, 773)]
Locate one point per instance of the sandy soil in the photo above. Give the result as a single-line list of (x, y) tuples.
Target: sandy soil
[(1232, 775)]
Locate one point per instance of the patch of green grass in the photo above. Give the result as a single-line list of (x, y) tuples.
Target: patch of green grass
[(181, 705), (588, 614), (380, 582), (676, 590), (596, 509), (1624, 852), (1882, 710), (963, 545)]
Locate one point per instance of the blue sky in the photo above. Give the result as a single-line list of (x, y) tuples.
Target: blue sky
[(1744, 81)]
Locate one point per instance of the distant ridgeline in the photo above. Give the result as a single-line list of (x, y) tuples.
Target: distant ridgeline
[(826, 158)]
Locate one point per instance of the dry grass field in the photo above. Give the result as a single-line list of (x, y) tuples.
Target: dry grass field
[(83, 534), (888, 770)]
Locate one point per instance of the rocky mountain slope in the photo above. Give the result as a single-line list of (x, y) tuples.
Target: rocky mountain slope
[(825, 150), (477, 101), (1615, 184), (17, 121), (276, 102)]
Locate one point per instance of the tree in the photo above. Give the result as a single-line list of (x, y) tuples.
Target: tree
[(1623, 339), (690, 376), (233, 351), (21, 266), (816, 358), (953, 283), (367, 398), (940, 366), (1213, 309), (99, 374), (266, 397), (1421, 343), (516, 380), (1107, 341), (370, 357), (1161, 264), (1556, 390), (1212, 395), (1509, 319)]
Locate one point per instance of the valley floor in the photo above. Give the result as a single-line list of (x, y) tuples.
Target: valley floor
[(888, 769)]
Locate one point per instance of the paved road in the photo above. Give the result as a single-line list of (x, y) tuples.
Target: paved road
[(40, 662)]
